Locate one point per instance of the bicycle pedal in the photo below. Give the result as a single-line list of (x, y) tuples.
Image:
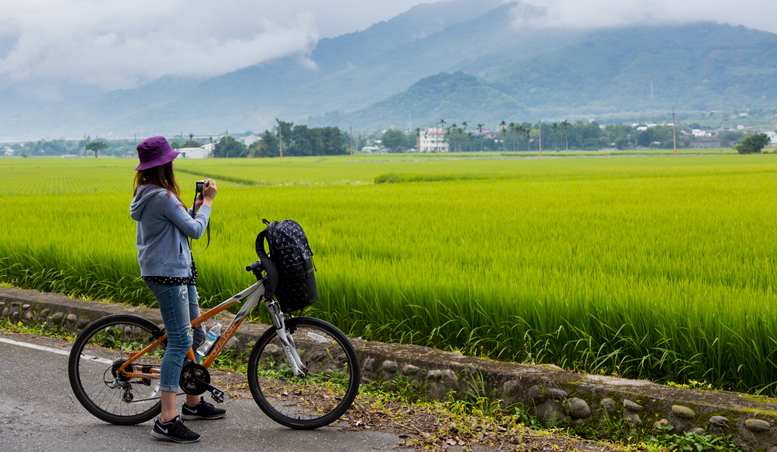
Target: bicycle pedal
[(217, 395)]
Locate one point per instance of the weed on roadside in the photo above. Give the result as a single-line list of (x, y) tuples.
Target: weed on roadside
[(43, 329), (690, 442)]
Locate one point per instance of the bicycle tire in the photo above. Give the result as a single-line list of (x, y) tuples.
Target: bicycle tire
[(96, 351), (309, 402)]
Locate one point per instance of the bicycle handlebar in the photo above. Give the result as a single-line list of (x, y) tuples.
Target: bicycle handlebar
[(255, 266)]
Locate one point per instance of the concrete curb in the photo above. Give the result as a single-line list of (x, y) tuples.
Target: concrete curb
[(551, 394)]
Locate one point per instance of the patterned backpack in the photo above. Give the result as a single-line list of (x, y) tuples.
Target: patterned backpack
[(290, 256)]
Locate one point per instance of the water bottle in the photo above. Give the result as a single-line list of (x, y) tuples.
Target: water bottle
[(210, 339)]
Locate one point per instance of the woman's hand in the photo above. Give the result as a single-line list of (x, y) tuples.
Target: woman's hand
[(209, 192)]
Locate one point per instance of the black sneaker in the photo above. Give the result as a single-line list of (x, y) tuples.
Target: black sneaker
[(202, 410), (174, 431)]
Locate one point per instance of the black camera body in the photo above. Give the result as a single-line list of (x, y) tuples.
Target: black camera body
[(200, 186)]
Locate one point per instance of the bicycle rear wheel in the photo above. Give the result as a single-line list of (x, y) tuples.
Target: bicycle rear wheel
[(93, 369), (317, 399)]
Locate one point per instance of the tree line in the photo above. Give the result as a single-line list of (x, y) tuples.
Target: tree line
[(554, 136), (292, 140), (301, 140)]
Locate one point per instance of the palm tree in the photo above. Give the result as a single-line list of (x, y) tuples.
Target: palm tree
[(480, 129), (503, 131), (526, 133), (564, 126), (418, 139), (554, 129), (512, 128), (517, 129)]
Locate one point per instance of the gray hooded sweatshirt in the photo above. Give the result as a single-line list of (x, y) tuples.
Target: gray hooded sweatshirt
[(162, 230)]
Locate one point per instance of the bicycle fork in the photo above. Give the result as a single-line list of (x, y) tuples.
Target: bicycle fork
[(297, 368)]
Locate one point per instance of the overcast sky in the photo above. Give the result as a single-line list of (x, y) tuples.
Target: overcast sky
[(109, 44)]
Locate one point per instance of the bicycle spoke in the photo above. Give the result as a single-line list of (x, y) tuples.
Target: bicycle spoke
[(94, 369), (323, 394)]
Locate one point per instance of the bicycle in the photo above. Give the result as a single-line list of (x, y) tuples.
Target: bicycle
[(302, 372)]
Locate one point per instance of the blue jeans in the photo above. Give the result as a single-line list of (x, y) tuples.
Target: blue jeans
[(178, 305)]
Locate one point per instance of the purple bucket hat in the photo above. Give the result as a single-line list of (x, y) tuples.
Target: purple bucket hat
[(155, 151)]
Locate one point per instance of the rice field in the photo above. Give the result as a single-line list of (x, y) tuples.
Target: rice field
[(655, 267)]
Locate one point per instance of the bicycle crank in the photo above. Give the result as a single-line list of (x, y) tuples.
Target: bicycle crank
[(195, 380)]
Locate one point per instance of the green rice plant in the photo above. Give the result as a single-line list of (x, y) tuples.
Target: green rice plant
[(395, 178), (659, 268)]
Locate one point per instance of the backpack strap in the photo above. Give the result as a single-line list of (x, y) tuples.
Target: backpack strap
[(272, 272)]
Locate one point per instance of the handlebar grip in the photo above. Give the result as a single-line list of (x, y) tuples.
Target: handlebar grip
[(254, 266)]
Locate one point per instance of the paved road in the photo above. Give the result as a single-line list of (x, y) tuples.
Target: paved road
[(39, 413)]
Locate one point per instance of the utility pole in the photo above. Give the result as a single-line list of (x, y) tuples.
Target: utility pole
[(351, 129), (674, 134), (540, 137)]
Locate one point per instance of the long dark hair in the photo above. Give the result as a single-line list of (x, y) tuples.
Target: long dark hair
[(161, 176)]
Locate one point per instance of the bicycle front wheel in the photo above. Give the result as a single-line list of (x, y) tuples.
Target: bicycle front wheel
[(320, 397), (93, 368)]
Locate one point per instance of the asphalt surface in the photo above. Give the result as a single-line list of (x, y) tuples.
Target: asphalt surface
[(38, 412)]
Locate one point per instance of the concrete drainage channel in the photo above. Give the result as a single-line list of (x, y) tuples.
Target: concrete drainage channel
[(549, 393)]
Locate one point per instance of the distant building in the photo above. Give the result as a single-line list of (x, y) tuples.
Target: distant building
[(251, 139), (773, 137), (371, 149), (432, 140), (488, 133), (196, 153)]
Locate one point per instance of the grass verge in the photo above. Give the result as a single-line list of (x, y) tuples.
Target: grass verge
[(467, 422)]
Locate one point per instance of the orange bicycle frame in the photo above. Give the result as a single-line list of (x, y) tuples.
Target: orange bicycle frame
[(252, 294)]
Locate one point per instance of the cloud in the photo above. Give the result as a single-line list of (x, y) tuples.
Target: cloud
[(48, 48), (615, 13), (120, 44)]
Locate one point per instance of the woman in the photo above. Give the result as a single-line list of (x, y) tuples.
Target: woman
[(167, 267)]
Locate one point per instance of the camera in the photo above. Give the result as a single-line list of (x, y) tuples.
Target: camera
[(200, 185)]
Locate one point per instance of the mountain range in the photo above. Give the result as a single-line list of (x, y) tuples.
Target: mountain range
[(462, 60)]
